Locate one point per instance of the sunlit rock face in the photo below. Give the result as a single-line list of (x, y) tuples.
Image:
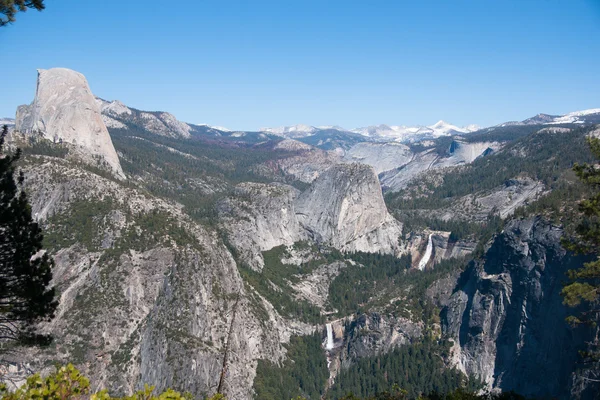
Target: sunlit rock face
[(65, 110), (258, 217), (344, 207)]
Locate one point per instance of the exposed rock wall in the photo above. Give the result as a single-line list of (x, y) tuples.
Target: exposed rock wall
[(146, 303), (307, 163), (381, 156), (259, 217), (501, 201), (65, 110), (507, 317), (371, 334), (398, 164), (344, 207)]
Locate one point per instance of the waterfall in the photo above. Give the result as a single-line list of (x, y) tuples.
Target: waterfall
[(427, 254), (329, 344)]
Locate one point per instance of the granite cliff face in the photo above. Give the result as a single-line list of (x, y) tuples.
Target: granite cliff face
[(381, 156), (502, 201), (158, 292), (344, 207), (506, 314), (397, 164), (65, 110), (259, 217), (306, 162)]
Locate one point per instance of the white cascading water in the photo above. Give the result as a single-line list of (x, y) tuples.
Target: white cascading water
[(427, 254), (329, 344)]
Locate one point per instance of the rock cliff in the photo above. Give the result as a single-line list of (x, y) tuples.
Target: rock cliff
[(506, 313), (259, 217), (64, 110), (344, 207), (411, 164), (305, 162), (146, 294), (381, 156)]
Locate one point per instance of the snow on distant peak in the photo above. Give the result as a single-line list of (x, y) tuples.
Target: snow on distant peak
[(401, 132), (335, 127), (443, 128), (585, 112), (441, 124), (575, 117), (473, 127), (219, 128), (294, 131)]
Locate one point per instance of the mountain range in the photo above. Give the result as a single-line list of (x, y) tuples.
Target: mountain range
[(303, 261), (403, 133), (167, 124)]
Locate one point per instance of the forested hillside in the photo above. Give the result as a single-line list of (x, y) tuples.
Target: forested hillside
[(387, 320)]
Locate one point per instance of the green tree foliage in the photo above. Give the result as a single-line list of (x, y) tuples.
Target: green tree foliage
[(350, 291), (179, 169), (397, 393), (273, 283), (303, 373), (374, 279), (67, 383), (25, 273), (584, 286), (418, 369), (9, 8)]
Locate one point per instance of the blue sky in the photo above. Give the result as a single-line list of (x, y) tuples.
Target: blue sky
[(248, 64)]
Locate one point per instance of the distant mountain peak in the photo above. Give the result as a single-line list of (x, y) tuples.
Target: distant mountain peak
[(403, 132), (219, 128), (589, 116), (440, 124), (293, 131)]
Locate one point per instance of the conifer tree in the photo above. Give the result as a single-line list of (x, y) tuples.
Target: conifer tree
[(26, 297), (9, 8), (585, 282), (583, 290)]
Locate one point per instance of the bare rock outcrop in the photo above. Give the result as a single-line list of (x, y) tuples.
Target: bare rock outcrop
[(156, 290), (344, 208), (502, 200), (381, 156), (506, 314), (410, 166), (65, 110), (117, 115), (259, 217), (306, 162)]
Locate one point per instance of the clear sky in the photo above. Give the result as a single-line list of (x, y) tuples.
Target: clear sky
[(250, 64)]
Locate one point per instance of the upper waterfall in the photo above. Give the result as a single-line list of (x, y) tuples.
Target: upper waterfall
[(427, 254), (329, 343)]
